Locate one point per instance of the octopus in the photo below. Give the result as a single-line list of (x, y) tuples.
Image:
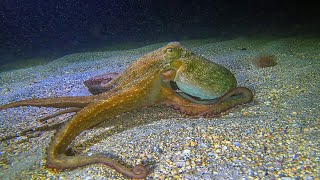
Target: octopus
[(171, 76)]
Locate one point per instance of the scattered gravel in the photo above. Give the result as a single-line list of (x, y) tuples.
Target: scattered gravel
[(276, 136)]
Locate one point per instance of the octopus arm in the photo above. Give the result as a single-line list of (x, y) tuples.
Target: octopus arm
[(89, 116), (56, 102), (232, 98)]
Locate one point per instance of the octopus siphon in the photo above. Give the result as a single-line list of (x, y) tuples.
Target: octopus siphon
[(172, 76)]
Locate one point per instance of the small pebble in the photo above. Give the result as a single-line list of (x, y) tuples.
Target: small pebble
[(186, 152), (236, 143), (248, 131), (180, 164), (287, 178)]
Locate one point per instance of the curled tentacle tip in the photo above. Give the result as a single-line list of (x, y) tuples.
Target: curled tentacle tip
[(140, 172)]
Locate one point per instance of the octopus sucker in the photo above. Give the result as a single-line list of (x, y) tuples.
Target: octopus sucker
[(203, 88)]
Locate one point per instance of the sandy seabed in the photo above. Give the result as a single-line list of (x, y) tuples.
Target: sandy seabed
[(275, 136)]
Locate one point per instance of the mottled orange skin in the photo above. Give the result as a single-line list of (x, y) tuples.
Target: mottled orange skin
[(144, 83)]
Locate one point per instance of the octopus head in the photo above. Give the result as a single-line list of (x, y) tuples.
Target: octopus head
[(195, 75)]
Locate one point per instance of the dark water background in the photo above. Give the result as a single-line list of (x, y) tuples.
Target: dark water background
[(52, 28)]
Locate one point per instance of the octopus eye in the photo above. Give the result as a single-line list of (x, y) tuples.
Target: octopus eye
[(169, 50)]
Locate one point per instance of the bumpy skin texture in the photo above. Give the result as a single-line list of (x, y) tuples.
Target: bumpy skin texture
[(145, 82)]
